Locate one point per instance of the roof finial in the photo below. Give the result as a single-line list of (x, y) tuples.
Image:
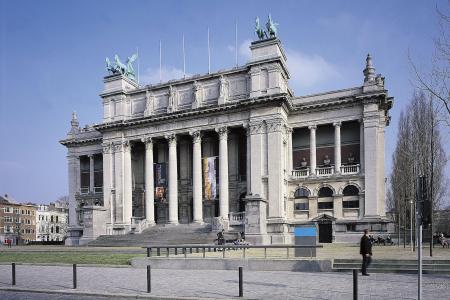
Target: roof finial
[(74, 123), (369, 71)]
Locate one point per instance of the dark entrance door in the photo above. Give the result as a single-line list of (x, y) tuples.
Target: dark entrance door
[(325, 233)]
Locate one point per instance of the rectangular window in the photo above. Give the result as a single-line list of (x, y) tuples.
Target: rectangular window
[(350, 204), (8, 219), (325, 205), (7, 210), (351, 227), (301, 206), (16, 211)]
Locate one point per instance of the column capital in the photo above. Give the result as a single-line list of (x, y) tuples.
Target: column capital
[(107, 148), (148, 141), (126, 145), (337, 124), (223, 132), (196, 136), (171, 139), (91, 155), (312, 127)]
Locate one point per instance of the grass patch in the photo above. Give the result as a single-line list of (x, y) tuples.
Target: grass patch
[(68, 258)]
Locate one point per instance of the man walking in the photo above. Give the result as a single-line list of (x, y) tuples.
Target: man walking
[(365, 249)]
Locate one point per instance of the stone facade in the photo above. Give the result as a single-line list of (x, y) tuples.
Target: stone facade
[(51, 222), (282, 160)]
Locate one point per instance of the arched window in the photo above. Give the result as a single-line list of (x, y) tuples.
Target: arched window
[(351, 190), (327, 203), (325, 192), (301, 193), (351, 199)]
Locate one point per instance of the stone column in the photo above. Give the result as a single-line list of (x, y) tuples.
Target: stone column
[(290, 151), (361, 145), (149, 183), (74, 175), (248, 160), (173, 180), (91, 173), (107, 180), (197, 176), (127, 183), (312, 147), (337, 146), (223, 174)]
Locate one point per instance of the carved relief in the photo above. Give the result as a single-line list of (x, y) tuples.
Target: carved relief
[(108, 148), (196, 88), (171, 106), (256, 127), (223, 90), (149, 98)]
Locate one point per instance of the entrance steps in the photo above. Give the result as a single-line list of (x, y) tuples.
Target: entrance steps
[(160, 235), (394, 266)]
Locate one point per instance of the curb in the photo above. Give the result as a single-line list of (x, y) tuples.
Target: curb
[(65, 265), (106, 295)]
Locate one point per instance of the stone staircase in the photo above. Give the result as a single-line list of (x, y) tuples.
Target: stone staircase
[(394, 266), (160, 235)]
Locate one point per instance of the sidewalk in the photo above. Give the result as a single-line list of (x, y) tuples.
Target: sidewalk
[(222, 284)]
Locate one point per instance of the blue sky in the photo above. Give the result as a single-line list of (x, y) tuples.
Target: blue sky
[(52, 57)]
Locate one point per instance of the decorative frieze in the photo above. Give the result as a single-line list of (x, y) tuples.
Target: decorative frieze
[(256, 127), (274, 125)]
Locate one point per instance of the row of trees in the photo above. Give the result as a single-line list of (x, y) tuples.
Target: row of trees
[(419, 149)]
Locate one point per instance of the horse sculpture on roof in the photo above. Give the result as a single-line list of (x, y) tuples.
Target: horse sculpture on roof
[(117, 67)]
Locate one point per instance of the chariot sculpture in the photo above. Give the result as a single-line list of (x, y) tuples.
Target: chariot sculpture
[(117, 67), (271, 27)]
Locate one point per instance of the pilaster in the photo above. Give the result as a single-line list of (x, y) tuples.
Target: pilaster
[(197, 176), (173, 180), (223, 171), (127, 183), (312, 147), (149, 183)]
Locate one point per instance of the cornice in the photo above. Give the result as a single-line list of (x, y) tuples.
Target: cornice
[(76, 142), (278, 99)]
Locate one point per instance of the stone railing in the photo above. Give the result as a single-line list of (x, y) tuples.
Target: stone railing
[(300, 173), (237, 218), (84, 190), (350, 169), (325, 171)]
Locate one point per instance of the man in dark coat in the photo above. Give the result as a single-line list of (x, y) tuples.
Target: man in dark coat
[(365, 249)]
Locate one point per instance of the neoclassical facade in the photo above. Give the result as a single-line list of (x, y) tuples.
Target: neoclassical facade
[(234, 147)]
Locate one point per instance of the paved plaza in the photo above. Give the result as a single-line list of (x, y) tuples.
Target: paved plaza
[(220, 284)]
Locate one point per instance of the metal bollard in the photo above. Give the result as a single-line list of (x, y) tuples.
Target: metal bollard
[(13, 269), (149, 252), (74, 276), (158, 251), (265, 252), (204, 252), (149, 279), (185, 252), (176, 251), (241, 284), (355, 284), (168, 250)]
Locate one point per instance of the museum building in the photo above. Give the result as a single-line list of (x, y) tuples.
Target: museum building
[(231, 148)]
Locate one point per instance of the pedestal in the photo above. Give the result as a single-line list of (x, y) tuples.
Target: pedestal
[(94, 221), (74, 234), (255, 226)]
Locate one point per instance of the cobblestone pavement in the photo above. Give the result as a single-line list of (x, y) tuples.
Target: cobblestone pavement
[(220, 284)]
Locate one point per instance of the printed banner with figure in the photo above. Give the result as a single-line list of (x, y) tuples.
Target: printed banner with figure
[(209, 177), (160, 180)]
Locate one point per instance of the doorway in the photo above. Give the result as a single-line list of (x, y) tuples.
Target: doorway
[(325, 233)]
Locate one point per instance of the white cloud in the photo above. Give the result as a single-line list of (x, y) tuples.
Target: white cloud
[(151, 75), (309, 70), (244, 50)]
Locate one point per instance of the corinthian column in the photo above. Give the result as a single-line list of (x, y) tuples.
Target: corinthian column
[(337, 146), (197, 176), (127, 184), (312, 148), (223, 174), (149, 184), (173, 180), (91, 173)]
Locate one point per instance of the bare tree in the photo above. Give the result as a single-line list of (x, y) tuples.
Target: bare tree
[(419, 151), (436, 82)]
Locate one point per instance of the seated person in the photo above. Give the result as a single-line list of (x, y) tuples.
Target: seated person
[(326, 161), (350, 158), (303, 163)]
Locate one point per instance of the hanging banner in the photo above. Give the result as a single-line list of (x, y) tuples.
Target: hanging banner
[(160, 180), (209, 178)]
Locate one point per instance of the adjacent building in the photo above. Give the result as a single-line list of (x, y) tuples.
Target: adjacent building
[(235, 147), (51, 222), (17, 222)]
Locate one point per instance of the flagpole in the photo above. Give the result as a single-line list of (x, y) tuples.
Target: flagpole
[(236, 44), (138, 58), (160, 62), (184, 60), (209, 55)]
